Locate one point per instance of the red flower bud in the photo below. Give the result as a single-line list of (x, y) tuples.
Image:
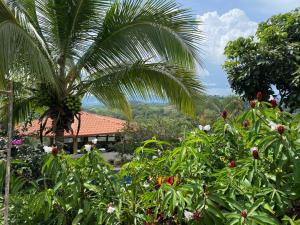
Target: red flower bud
[(246, 123), (54, 151), (244, 213), (224, 114), (254, 152), (259, 96), (253, 104), (232, 164), (280, 129), (273, 103), (197, 216)]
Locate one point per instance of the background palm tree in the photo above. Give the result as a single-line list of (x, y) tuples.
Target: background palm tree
[(114, 50)]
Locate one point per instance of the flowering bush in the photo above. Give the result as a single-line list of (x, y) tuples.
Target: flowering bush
[(243, 170)]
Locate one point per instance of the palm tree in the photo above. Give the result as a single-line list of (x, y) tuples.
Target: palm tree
[(113, 50)]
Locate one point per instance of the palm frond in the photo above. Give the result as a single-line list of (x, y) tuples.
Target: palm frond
[(147, 80), (70, 25), (19, 49), (138, 29)]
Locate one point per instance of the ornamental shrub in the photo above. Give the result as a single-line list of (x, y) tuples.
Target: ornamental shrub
[(232, 174)]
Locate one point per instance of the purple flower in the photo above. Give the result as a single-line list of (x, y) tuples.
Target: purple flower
[(17, 142)]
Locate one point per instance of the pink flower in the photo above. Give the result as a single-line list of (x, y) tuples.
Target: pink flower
[(17, 142)]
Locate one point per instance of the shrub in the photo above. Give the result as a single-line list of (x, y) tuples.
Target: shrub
[(233, 174)]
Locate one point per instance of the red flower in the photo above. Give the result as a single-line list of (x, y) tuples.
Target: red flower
[(197, 216), (253, 104), (280, 128), (246, 123), (170, 180), (232, 164), (244, 213), (224, 114), (259, 96), (273, 103), (254, 152), (54, 151)]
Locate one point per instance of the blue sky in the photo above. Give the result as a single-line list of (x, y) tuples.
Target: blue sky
[(225, 20)]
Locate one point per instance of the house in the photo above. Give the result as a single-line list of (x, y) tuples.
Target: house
[(106, 129)]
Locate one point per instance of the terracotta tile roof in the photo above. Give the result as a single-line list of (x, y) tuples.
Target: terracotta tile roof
[(91, 125)]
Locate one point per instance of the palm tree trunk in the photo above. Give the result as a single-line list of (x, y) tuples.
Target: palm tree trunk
[(59, 138), (75, 144), (8, 160)]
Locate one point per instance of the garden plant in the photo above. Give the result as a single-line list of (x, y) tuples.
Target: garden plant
[(244, 170)]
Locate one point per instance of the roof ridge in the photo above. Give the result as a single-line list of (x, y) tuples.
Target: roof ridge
[(104, 117)]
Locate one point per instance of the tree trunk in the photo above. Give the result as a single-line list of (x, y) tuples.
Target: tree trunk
[(75, 144), (8, 159), (59, 138)]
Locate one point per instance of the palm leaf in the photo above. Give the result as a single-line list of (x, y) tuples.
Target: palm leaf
[(144, 29), (19, 50), (146, 80)]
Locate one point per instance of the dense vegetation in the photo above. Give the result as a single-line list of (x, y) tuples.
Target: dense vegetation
[(243, 171)]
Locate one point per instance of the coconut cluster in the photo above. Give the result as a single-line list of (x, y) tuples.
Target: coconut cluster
[(73, 103)]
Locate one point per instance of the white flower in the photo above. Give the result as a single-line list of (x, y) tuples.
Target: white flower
[(207, 128), (154, 157), (94, 141), (200, 127), (146, 185), (272, 125), (188, 215), (227, 127), (110, 209), (271, 98), (253, 149), (47, 149), (88, 147)]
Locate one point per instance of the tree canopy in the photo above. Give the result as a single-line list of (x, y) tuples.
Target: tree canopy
[(268, 61)]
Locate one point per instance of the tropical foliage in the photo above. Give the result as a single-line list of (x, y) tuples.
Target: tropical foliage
[(112, 50), (269, 61), (243, 171)]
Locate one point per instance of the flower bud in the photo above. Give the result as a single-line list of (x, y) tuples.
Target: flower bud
[(259, 96), (232, 164), (253, 104), (280, 128), (244, 213), (224, 114)]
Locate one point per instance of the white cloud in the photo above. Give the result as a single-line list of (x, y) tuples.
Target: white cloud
[(220, 29)]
